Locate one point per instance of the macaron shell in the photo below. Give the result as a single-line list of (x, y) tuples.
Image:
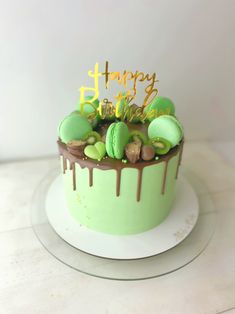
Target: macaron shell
[(116, 139), (109, 140), (88, 108), (161, 103), (166, 127), (173, 118), (120, 139), (73, 127), (163, 106)]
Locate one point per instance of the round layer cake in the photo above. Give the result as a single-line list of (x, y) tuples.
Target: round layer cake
[(119, 177)]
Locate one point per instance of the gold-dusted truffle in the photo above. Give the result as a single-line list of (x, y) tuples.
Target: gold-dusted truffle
[(132, 151)]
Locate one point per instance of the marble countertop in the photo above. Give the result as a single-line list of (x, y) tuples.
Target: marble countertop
[(33, 281)]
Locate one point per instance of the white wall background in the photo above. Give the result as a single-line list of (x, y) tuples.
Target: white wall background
[(47, 47)]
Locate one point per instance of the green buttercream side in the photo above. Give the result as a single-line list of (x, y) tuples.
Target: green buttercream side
[(99, 208)]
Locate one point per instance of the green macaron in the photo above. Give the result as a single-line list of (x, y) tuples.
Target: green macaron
[(87, 108), (167, 127), (175, 120), (160, 106), (116, 139), (73, 127), (121, 106)]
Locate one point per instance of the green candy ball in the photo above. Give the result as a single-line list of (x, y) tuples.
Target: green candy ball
[(162, 105), (73, 127)]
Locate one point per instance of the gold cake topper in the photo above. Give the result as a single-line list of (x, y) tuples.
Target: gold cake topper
[(107, 108)]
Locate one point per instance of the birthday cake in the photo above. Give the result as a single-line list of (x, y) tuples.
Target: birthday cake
[(120, 159)]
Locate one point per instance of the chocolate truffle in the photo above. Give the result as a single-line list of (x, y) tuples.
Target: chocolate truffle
[(147, 152), (132, 151)]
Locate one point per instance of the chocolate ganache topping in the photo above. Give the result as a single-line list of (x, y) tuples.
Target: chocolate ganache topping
[(109, 163)]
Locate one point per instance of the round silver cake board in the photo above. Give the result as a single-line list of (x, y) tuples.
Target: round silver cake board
[(168, 234), (176, 242)]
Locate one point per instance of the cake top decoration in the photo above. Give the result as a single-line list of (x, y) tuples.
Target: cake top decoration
[(124, 108), (122, 79), (121, 130)]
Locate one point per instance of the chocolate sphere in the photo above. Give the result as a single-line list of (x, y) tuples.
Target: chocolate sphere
[(147, 152)]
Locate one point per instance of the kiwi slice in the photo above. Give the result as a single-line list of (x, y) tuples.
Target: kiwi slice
[(138, 137), (91, 138), (161, 145)]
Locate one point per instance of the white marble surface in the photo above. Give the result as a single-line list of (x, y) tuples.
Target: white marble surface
[(32, 281)]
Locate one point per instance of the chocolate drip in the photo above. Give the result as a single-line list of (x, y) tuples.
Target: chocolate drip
[(139, 184), (179, 160), (64, 164), (118, 181), (118, 165), (90, 176), (164, 177), (74, 175)]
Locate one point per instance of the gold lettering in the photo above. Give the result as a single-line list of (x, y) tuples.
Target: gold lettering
[(125, 78), (153, 79), (94, 89), (106, 73), (147, 99), (106, 107), (114, 76)]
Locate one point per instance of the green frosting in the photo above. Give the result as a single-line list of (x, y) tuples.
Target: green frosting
[(162, 105), (167, 127), (98, 208), (116, 139), (73, 127)]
